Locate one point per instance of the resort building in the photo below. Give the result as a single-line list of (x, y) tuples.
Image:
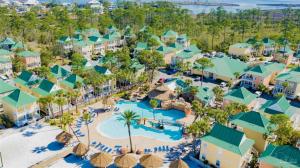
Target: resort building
[(204, 94), (137, 67), (7, 43), (226, 147), (288, 83), (5, 89), (85, 48), (241, 49), (140, 46), (26, 80), (20, 107), (261, 74), (281, 106), (66, 44), (59, 72), (72, 82), (109, 85), (31, 59), (5, 64), (45, 88), (96, 6), (225, 69), (254, 125), (189, 54), (284, 55), (113, 41), (167, 52), (169, 36), (242, 96), (280, 156), (269, 47), (183, 40)]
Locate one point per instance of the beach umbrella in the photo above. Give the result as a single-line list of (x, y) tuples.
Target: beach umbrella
[(63, 137), (178, 164), (151, 161), (80, 149), (101, 159), (125, 161)]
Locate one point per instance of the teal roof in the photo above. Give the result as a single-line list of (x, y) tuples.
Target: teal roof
[(91, 32), (7, 41), (242, 45), (278, 106), (4, 59), (4, 52), (229, 139), (71, 81), (291, 76), (182, 37), (112, 36), (18, 45), (240, 95), (26, 78), (176, 46), (108, 60), (59, 72), (266, 69), (64, 39), (281, 156), (141, 46), (189, 52), (136, 65), (252, 120), (157, 39), (225, 66), (19, 99), (170, 34), (268, 42), (285, 50), (251, 40), (28, 54), (95, 39), (5, 87), (83, 43), (102, 70), (204, 94), (164, 49), (45, 88)]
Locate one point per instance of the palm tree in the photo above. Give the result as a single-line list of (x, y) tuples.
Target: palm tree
[(219, 93), (153, 104), (66, 120), (197, 130), (236, 75), (46, 102), (197, 107), (87, 118), (205, 63), (285, 85), (74, 96), (60, 100), (128, 117)]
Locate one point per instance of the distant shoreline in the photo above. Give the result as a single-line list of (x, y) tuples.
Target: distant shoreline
[(280, 5), (205, 3)]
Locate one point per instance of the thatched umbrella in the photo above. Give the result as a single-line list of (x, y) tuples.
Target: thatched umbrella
[(64, 137), (101, 159), (178, 164), (151, 161), (80, 149), (125, 161)]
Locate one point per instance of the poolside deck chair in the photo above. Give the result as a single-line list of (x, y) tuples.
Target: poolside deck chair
[(155, 149), (159, 149)]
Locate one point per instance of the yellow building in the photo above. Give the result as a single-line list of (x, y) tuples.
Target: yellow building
[(26, 81), (254, 125), (226, 147), (241, 49), (20, 107)]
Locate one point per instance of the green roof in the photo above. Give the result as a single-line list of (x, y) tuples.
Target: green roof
[(19, 99), (18, 45), (4, 59), (176, 46), (28, 54), (268, 42), (102, 70), (26, 78), (251, 40), (285, 50), (189, 52), (136, 65), (170, 34), (59, 72), (64, 39), (164, 49), (204, 94), (242, 45), (278, 106), (281, 156), (5, 87), (112, 36), (7, 41), (72, 80), (45, 88), (225, 66), (266, 69), (83, 43), (4, 52), (95, 39), (229, 139), (240, 95), (291, 76), (141, 46), (182, 37), (252, 120)]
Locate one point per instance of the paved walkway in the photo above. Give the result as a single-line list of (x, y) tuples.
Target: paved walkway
[(50, 161)]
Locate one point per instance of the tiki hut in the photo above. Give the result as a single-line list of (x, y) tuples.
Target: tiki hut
[(178, 164), (101, 159), (151, 161), (80, 149), (161, 93), (64, 137), (125, 161)]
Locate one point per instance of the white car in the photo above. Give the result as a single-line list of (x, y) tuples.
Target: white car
[(223, 84), (258, 93)]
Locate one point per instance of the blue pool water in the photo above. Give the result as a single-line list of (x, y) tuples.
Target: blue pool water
[(114, 128)]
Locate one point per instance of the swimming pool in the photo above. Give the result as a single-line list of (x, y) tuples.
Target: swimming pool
[(115, 129)]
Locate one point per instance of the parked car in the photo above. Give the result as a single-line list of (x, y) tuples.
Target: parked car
[(258, 93), (223, 84), (197, 79)]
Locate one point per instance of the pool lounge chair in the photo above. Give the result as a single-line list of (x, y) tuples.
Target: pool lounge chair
[(155, 149), (160, 149)]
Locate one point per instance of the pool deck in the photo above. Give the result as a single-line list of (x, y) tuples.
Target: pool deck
[(139, 142)]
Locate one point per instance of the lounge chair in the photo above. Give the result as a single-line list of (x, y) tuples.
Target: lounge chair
[(163, 148), (167, 148), (159, 149), (93, 143), (97, 146), (155, 149), (109, 150)]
